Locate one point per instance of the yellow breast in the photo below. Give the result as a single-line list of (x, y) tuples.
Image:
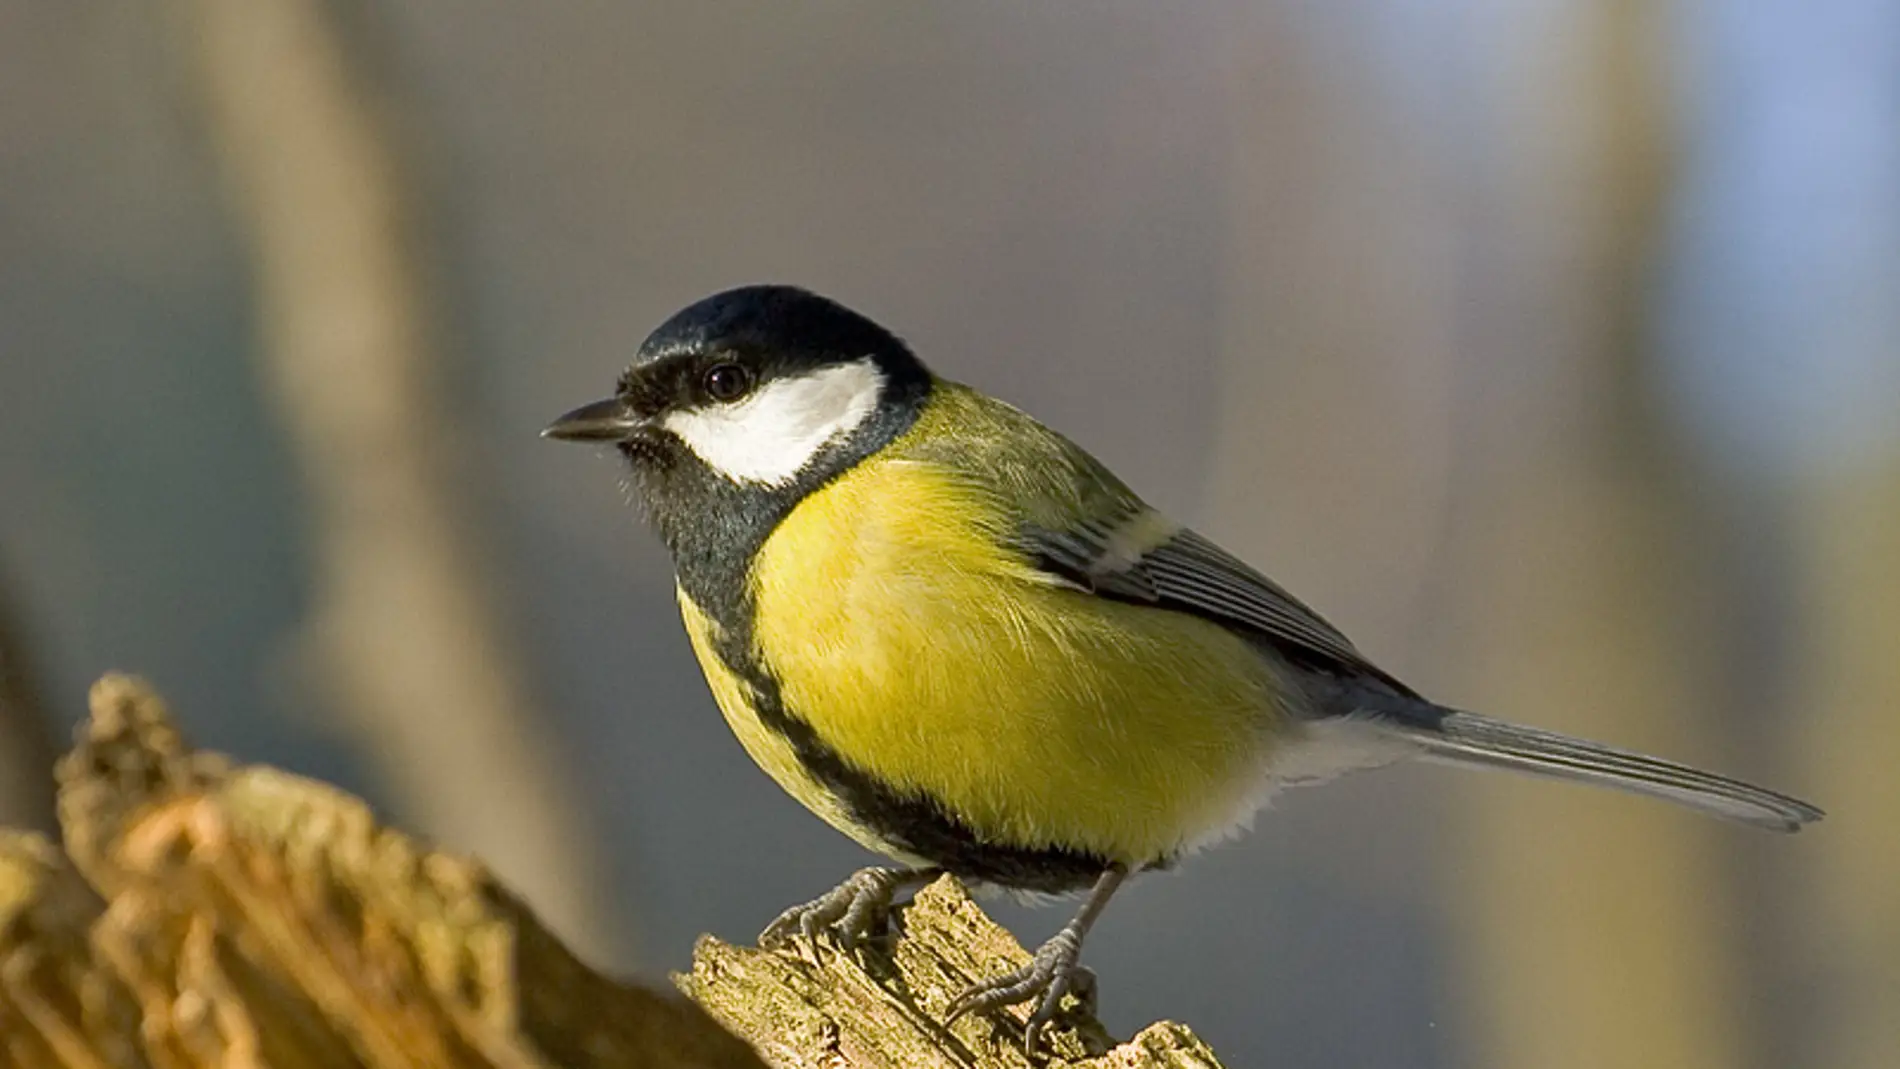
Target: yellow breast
[(929, 656), (767, 747)]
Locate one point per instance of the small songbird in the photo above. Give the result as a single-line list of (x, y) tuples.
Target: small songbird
[(959, 639)]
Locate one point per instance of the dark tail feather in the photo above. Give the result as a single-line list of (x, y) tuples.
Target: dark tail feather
[(1462, 738)]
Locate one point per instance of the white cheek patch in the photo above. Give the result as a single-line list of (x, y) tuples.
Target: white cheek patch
[(770, 436)]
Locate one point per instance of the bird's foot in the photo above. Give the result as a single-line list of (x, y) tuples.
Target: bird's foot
[(1051, 974), (853, 910)]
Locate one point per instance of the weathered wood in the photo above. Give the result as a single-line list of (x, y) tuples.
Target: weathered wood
[(252, 918), (205, 913), (882, 1005)]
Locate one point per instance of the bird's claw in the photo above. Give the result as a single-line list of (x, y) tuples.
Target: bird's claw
[(1051, 974), (852, 910)]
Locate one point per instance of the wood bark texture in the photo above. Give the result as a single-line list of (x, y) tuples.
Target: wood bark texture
[(824, 1008), (208, 914)]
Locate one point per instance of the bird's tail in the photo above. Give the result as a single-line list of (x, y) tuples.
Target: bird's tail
[(1459, 738)]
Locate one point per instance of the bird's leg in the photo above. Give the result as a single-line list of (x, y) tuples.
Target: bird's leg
[(853, 909), (1052, 973)]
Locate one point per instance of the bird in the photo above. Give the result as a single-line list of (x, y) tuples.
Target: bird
[(959, 639)]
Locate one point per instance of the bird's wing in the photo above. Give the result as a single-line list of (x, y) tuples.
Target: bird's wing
[(1082, 527), (1141, 557)]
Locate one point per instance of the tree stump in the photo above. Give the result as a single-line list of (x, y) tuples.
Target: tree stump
[(207, 914)]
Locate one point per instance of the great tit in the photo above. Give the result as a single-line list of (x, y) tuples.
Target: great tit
[(959, 639)]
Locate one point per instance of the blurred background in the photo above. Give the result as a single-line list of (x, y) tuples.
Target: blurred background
[(1552, 349)]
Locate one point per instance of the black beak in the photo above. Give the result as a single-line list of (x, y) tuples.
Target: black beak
[(603, 421)]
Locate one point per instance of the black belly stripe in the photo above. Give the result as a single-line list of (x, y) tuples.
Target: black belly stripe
[(913, 824)]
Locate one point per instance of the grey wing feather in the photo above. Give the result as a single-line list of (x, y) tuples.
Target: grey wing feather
[(1196, 572), (1189, 573)]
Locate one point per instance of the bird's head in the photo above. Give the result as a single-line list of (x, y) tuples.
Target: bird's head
[(762, 390)]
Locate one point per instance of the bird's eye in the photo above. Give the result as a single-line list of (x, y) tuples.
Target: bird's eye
[(727, 382)]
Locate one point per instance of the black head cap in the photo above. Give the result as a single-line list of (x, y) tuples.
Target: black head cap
[(784, 327)]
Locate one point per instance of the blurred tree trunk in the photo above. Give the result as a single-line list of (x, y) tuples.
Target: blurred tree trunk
[(404, 629), (1849, 720), (1593, 926), (1785, 340), (1590, 925)]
